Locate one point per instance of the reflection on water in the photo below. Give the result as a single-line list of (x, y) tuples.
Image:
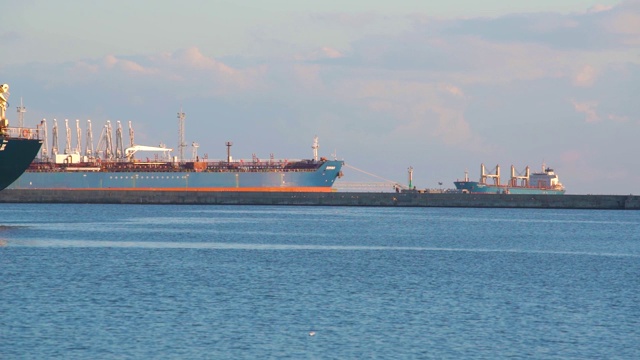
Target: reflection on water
[(241, 246)]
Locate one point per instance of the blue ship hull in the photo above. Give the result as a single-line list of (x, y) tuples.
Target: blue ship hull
[(319, 178), (478, 188)]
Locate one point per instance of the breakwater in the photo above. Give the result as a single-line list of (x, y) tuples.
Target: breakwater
[(404, 199)]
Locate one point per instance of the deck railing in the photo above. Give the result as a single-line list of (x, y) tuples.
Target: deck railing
[(23, 132)]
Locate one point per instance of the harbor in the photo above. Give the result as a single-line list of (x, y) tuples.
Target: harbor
[(371, 199), (111, 174)]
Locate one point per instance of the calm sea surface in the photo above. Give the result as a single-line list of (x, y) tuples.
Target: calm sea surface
[(249, 282)]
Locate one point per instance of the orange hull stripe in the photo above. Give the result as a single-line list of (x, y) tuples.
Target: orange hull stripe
[(206, 189)]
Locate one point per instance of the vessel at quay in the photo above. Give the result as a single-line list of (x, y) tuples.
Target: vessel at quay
[(18, 145), (112, 167), (545, 182)]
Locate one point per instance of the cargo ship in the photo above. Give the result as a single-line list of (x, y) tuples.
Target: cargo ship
[(18, 145), (545, 182), (112, 167)]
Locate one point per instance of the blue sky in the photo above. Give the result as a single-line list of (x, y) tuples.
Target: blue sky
[(439, 86)]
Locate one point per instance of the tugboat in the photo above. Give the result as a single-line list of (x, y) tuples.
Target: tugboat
[(18, 145)]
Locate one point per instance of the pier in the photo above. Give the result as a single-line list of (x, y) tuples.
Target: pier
[(382, 199)]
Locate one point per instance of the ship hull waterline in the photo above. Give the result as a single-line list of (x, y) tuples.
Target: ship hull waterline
[(317, 180), (474, 187)]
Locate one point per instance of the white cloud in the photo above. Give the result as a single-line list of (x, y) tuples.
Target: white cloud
[(127, 66), (598, 28), (308, 77), (415, 109), (588, 108), (599, 8), (585, 77), (331, 53), (626, 26), (453, 90), (324, 52), (618, 118), (192, 58)]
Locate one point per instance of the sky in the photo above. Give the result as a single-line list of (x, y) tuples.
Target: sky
[(386, 85)]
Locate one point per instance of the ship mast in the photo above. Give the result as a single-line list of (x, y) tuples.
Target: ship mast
[(229, 144), (54, 138), (131, 142), (515, 176), (109, 136), (44, 152), (315, 148), (89, 142), (21, 111), (78, 138), (119, 145), (181, 143), (67, 145), (484, 176), (105, 145)]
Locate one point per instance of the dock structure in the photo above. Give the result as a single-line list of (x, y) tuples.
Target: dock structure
[(380, 199)]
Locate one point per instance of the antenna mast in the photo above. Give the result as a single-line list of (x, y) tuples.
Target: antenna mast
[(181, 144), (21, 111)]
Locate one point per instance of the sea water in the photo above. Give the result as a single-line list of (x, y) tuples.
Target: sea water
[(267, 282)]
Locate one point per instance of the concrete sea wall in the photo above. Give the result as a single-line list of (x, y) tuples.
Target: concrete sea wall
[(406, 199)]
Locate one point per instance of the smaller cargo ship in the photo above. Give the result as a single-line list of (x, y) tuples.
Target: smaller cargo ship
[(545, 182), (18, 145)]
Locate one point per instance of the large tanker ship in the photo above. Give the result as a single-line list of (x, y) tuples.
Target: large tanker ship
[(18, 145), (116, 168), (544, 182)]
